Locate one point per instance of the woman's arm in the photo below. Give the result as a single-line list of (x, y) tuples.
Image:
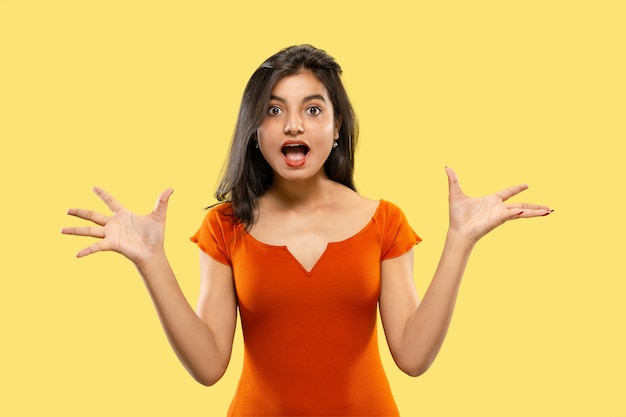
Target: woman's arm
[(202, 341), (416, 329)]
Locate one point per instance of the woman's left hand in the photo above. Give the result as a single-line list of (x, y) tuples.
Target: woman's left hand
[(475, 217)]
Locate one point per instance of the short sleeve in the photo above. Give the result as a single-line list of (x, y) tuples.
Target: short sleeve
[(214, 237), (397, 235)]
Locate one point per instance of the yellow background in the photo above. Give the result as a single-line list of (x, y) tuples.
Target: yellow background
[(137, 96)]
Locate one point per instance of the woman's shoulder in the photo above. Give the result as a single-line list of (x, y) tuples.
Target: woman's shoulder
[(221, 216), (389, 206), (221, 208), (378, 206), (388, 213), (356, 202)]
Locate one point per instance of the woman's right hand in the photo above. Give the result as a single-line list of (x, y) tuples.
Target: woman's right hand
[(136, 237)]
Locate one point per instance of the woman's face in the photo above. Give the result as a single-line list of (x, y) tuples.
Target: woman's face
[(297, 133)]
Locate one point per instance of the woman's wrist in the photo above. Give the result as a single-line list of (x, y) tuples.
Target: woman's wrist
[(151, 263), (459, 240)]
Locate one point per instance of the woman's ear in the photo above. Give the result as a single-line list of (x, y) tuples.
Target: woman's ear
[(337, 127)]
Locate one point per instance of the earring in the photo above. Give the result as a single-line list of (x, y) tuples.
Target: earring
[(335, 144), (256, 145)]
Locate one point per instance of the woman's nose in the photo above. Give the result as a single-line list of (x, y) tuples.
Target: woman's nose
[(293, 125)]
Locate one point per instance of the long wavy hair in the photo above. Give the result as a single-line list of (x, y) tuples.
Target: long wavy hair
[(247, 175)]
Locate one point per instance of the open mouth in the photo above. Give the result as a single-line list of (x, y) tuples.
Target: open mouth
[(295, 152)]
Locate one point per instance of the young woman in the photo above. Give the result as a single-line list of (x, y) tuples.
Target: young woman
[(303, 257)]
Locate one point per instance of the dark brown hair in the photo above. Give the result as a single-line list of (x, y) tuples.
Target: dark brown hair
[(247, 175)]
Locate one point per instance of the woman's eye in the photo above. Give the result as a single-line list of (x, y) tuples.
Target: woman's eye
[(314, 110), (274, 110)]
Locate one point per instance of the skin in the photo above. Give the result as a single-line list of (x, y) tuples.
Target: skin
[(301, 210)]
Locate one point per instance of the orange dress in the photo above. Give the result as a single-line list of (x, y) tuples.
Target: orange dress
[(310, 341)]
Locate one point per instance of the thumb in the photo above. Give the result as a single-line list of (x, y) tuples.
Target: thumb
[(160, 208), (454, 188)]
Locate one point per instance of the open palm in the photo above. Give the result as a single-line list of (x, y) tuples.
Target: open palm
[(134, 236), (475, 217)]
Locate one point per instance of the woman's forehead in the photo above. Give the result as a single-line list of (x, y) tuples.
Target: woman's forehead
[(301, 84)]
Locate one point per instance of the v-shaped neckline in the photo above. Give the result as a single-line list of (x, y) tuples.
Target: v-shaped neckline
[(309, 272)]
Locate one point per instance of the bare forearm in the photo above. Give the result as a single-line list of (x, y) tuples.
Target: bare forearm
[(427, 327), (191, 339), (140, 239), (470, 219)]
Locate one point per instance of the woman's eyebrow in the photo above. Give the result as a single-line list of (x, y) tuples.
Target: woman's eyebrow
[(304, 100), (314, 97)]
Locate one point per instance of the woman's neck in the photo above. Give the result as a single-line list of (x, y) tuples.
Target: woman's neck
[(311, 192)]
